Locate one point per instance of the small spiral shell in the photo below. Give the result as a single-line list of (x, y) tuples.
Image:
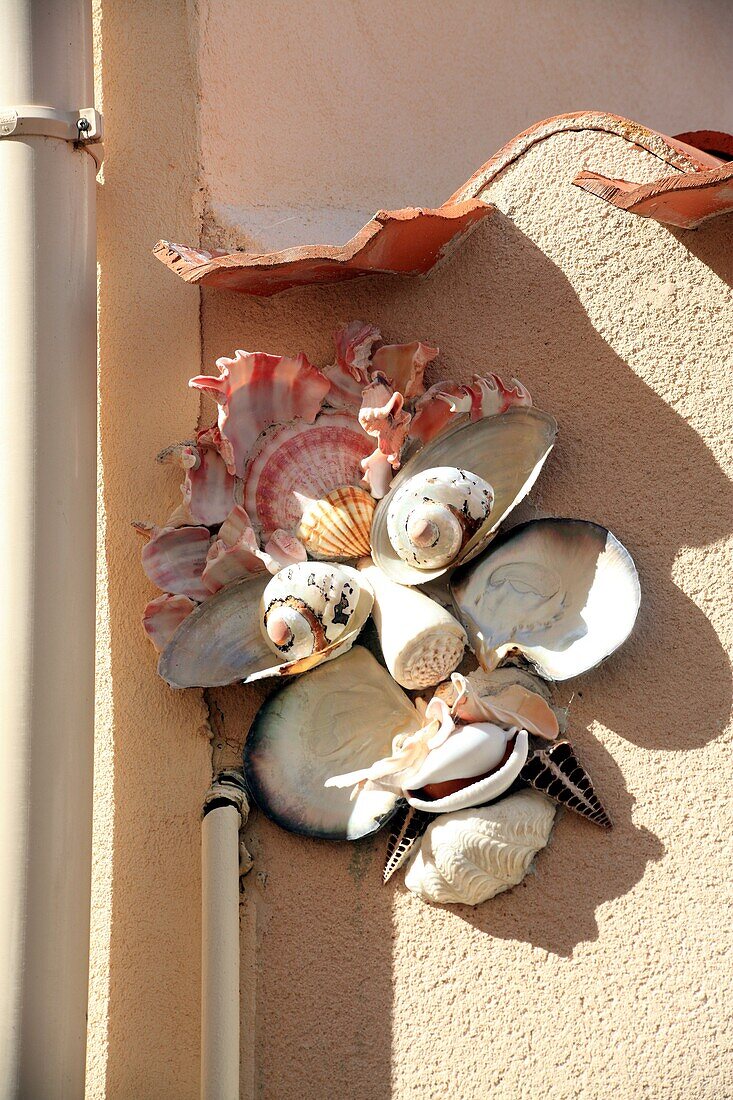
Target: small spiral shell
[(308, 606), (435, 513)]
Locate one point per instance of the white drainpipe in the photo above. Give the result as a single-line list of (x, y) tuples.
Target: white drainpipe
[(223, 859), (47, 551)]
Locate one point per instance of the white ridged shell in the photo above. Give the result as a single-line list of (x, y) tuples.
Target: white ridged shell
[(435, 513), (317, 604), (470, 856)]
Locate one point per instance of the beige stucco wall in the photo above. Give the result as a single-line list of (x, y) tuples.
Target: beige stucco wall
[(604, 972)]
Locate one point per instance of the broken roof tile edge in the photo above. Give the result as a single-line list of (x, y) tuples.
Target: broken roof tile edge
[(414, 240), (396, 242)]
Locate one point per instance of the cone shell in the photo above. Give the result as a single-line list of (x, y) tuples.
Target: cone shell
[(557, 773), (507, 451), (406, 829), (338, 527)]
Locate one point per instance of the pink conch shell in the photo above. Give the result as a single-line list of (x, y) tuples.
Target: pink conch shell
[(295, 464), (235, 553), (404, 365), (399, 771), (208, 488), (163, 616), (350, 373), (255, 390), (174, 560), (447, 402)]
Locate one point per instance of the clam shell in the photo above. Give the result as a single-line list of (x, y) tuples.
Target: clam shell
[(221, 642), (468, 857), (507, 451), (340, 717), (338, 526), (294, 465), (563, 592), (174, 559)]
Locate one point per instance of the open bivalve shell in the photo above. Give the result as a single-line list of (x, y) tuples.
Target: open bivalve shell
[(563, 592), (336, 718), (503, 452), (226, 639), (468, 857)]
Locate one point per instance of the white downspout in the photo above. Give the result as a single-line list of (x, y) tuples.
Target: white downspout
[(47, 551), (223, 860)]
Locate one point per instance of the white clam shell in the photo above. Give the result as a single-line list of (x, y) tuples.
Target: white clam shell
[(485, 790), (506, 451), (309, 606), (563, 592), (435, 513), (470, 856)]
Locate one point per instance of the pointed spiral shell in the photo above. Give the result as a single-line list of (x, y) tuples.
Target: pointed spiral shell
[(435, 513), (308, 606)]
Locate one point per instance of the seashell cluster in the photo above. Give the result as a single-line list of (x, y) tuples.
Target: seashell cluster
[(432, 516), (468, 857), (307, 469)]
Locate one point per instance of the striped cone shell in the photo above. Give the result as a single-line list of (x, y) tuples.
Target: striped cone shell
[(338, 526)]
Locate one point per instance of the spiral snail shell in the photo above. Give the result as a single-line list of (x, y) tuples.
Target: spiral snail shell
[(309, 607), (435, 513)]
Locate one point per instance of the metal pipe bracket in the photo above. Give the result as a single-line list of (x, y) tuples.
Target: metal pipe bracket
[(84, 128)]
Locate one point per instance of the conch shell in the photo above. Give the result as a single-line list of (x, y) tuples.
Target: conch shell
[(432, 516), (470, 856), (421, 642)]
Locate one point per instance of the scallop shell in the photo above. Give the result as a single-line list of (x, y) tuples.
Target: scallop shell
[(294, 465), (563, 592), (435, 513), (222, 641), (339, 525), (557, 773), (309, 607), (468, 857), (507, 451), (163, 616), (255, 390), (340, 716)]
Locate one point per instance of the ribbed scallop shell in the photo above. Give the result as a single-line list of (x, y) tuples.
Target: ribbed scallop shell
[(470, 856), (339, 525), (293, 465)]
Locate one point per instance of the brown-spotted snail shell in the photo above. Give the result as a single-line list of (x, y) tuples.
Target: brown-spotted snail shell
[(435, 513), (309, 606)]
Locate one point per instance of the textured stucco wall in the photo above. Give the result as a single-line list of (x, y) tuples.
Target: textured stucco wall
[(604, 972)]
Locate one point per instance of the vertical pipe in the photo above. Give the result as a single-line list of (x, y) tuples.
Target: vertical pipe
[(47, 550), (220, 953)]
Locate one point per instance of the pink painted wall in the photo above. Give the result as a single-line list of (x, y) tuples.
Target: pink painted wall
[(282, 122)]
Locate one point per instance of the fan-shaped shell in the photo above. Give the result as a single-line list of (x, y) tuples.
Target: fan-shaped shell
[(338, 717), (470, 856), (293, 465), (563, 592), (507, 451), (310, 606), (433, 514), (338, 526)]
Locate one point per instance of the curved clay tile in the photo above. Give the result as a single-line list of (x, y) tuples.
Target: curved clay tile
[(395, 242), (412, 241)]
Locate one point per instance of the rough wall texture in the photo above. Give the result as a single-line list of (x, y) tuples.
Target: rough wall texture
[(604, 972), (152, 762)]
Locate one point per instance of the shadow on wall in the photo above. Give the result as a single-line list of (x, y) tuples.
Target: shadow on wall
[(624, 458)]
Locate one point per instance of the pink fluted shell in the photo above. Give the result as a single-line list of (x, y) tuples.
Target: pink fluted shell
[(446, 404), (208, 489), (404, 365), (174, 560), (350, 373), (255, 390), (163, 616), (297, 463)]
